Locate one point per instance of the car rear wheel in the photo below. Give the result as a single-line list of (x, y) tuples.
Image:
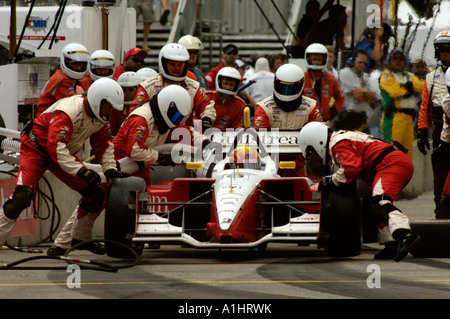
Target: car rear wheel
[(120, 215)]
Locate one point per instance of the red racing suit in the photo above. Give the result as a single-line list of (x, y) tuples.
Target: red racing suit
[(330, 91), (60, 86), (60, 133), (211, 76), (229, 112), (202, 105), (269, 115), (135, 139), (387, 170)]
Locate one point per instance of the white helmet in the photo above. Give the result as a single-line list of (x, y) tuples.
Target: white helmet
[(173, 52), (289, 82), (314, 135), (104, 89), (174, 103), (441, 40), (129, 79), (102, 59), (316, 48), (74, 52), (228, 72), (146, 73), (191, 43)]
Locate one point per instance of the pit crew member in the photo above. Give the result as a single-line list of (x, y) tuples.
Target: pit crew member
[(387, 169), (51, 143)]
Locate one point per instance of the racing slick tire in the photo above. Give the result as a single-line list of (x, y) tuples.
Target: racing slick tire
[(120, 215), (340, 221), (435, 238)]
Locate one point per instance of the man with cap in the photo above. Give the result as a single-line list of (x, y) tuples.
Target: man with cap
[(229, 56), (132, 61)]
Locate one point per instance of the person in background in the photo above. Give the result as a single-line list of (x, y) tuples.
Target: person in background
[(229, 107), (320, 85), (444, 202), (312, 15), (144, 8), (375, 43), (229, 56), (331, 60), (71, 78), (398, 89), (431, 117), (387, 169), (359, 95), (133, 60), (194, 46), (263, 81), (129, 81), (329, 31)]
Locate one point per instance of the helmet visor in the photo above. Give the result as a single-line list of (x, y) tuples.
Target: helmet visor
[(288, 88), (174, 115)]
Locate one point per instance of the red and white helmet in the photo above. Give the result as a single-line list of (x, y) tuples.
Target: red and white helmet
[(441, 40), (230, 73), (104, 89), (173, 52), (316, 48), (244, 156), (74, 52), (101, 59)]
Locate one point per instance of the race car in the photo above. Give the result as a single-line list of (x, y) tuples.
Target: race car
[(239, 201)]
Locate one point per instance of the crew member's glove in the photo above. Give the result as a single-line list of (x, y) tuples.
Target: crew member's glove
[(113, 173), (326, 183), (206, 124), (89, 176), (165, 159), (422, 141)]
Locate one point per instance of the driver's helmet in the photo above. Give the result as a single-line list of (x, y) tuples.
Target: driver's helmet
[(244, 156)]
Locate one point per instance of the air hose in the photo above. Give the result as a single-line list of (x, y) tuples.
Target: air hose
[(85, 263)]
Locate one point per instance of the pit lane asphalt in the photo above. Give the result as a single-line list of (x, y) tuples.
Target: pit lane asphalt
[(283, 271)]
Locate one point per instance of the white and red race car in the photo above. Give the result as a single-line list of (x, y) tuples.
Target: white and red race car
[(221, 206)]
